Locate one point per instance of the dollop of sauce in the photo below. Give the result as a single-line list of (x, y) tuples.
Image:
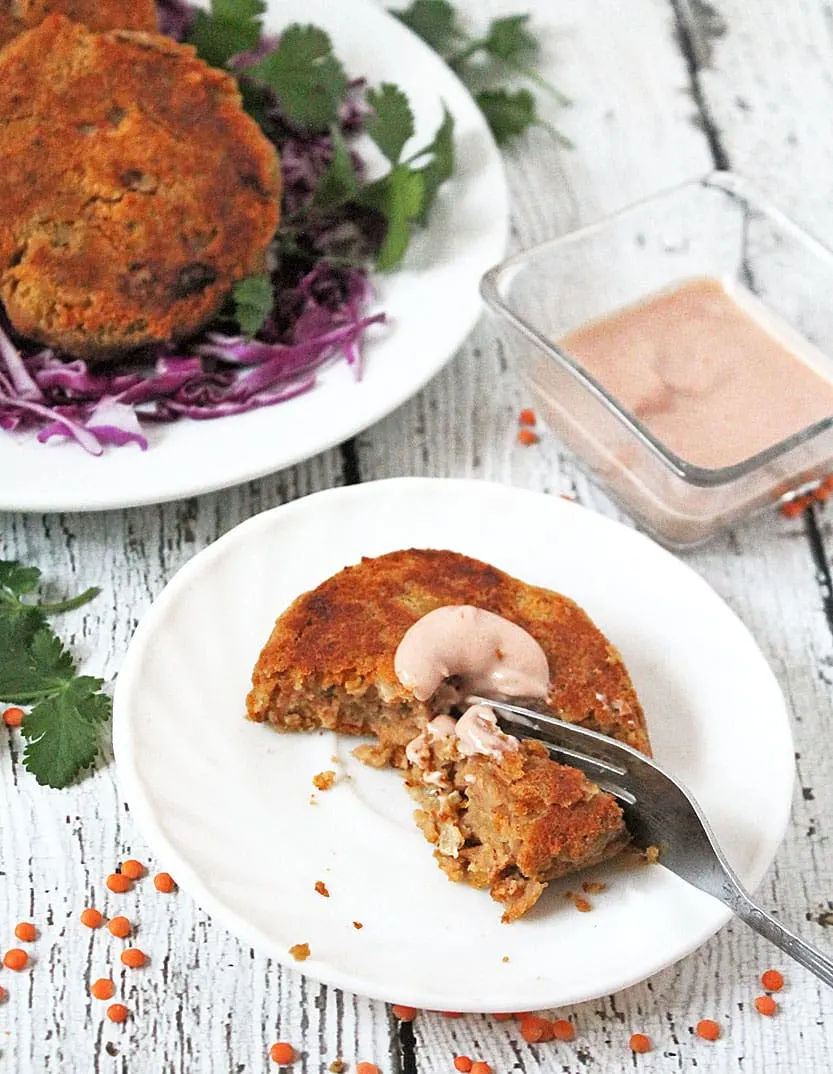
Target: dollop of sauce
[(716, 377), (487, 653), (440, 727), (478, 733)]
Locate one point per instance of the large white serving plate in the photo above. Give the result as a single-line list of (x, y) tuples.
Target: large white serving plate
[(432, 303), (226, 803)]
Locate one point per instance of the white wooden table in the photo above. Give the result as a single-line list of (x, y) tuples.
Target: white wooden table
[(664, 90)]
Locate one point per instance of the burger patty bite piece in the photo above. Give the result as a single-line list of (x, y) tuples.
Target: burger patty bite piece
[(17, 16), (135, 191)]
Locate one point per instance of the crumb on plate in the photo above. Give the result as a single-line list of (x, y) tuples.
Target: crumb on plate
[(324, 780)]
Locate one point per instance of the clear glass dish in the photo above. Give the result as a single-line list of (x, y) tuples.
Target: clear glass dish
[(715, 227)]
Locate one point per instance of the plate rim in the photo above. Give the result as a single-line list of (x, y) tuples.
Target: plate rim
[(56, 501), (132, 790)]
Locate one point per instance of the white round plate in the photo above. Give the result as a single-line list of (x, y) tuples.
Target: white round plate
[(432, 303), (227, 803)]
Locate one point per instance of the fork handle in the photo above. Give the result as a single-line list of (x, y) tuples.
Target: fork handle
[(810, 957)]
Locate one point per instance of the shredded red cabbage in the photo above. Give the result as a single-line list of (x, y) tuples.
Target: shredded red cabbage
[(321, 294)]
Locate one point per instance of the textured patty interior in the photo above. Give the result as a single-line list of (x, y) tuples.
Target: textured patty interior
[(135, 190)]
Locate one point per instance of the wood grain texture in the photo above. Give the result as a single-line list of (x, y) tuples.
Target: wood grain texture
[(663, 89)]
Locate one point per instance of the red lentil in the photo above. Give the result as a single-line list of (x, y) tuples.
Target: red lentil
[(772, 980), (15, 959), (13, 717), (282, 1053), (164, 882), (117, 1012), (639, 1043)]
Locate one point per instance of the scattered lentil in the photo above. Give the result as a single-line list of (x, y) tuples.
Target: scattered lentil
[(103, 988), (282, 1053), (164, 882), (118, 883), (26, 931), (16, 959), (563, 1030), (120, 926), (13, 717), (299, 951), (133, 957), (92, 918), (117, 1012), (772, 980), (708, 1029)]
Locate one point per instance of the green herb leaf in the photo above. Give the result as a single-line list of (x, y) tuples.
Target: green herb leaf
[(339, 182), (229, 28), (439, 168), (16, 579), (435, 21), (306, 76), (62, 731), (36, 669), (253, 300), (392, 121), (399, 197), (508, 114), (509, 40)]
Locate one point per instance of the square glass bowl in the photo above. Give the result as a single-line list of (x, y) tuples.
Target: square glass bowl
[(715, 227)]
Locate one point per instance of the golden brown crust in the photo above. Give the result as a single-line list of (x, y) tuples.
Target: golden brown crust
[(17, 16), (135, 189), (345, 633)]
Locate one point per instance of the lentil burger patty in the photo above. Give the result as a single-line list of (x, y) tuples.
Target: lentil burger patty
[(134, 189), (17, 16)]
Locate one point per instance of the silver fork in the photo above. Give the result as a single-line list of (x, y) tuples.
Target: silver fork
[(658, 811)]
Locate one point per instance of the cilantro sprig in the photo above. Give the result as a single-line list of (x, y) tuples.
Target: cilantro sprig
[(507, 48), (312, 89), (67, 710)]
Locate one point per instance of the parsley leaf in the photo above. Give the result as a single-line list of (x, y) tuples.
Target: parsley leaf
[(435, 21), (507, 45), (439, 168), (508, 114), (509, 40), (62, 731), (399, 196), (392, 121), (305, 74), (253, 299), (229, 28), (15, 580), (35, 669)]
